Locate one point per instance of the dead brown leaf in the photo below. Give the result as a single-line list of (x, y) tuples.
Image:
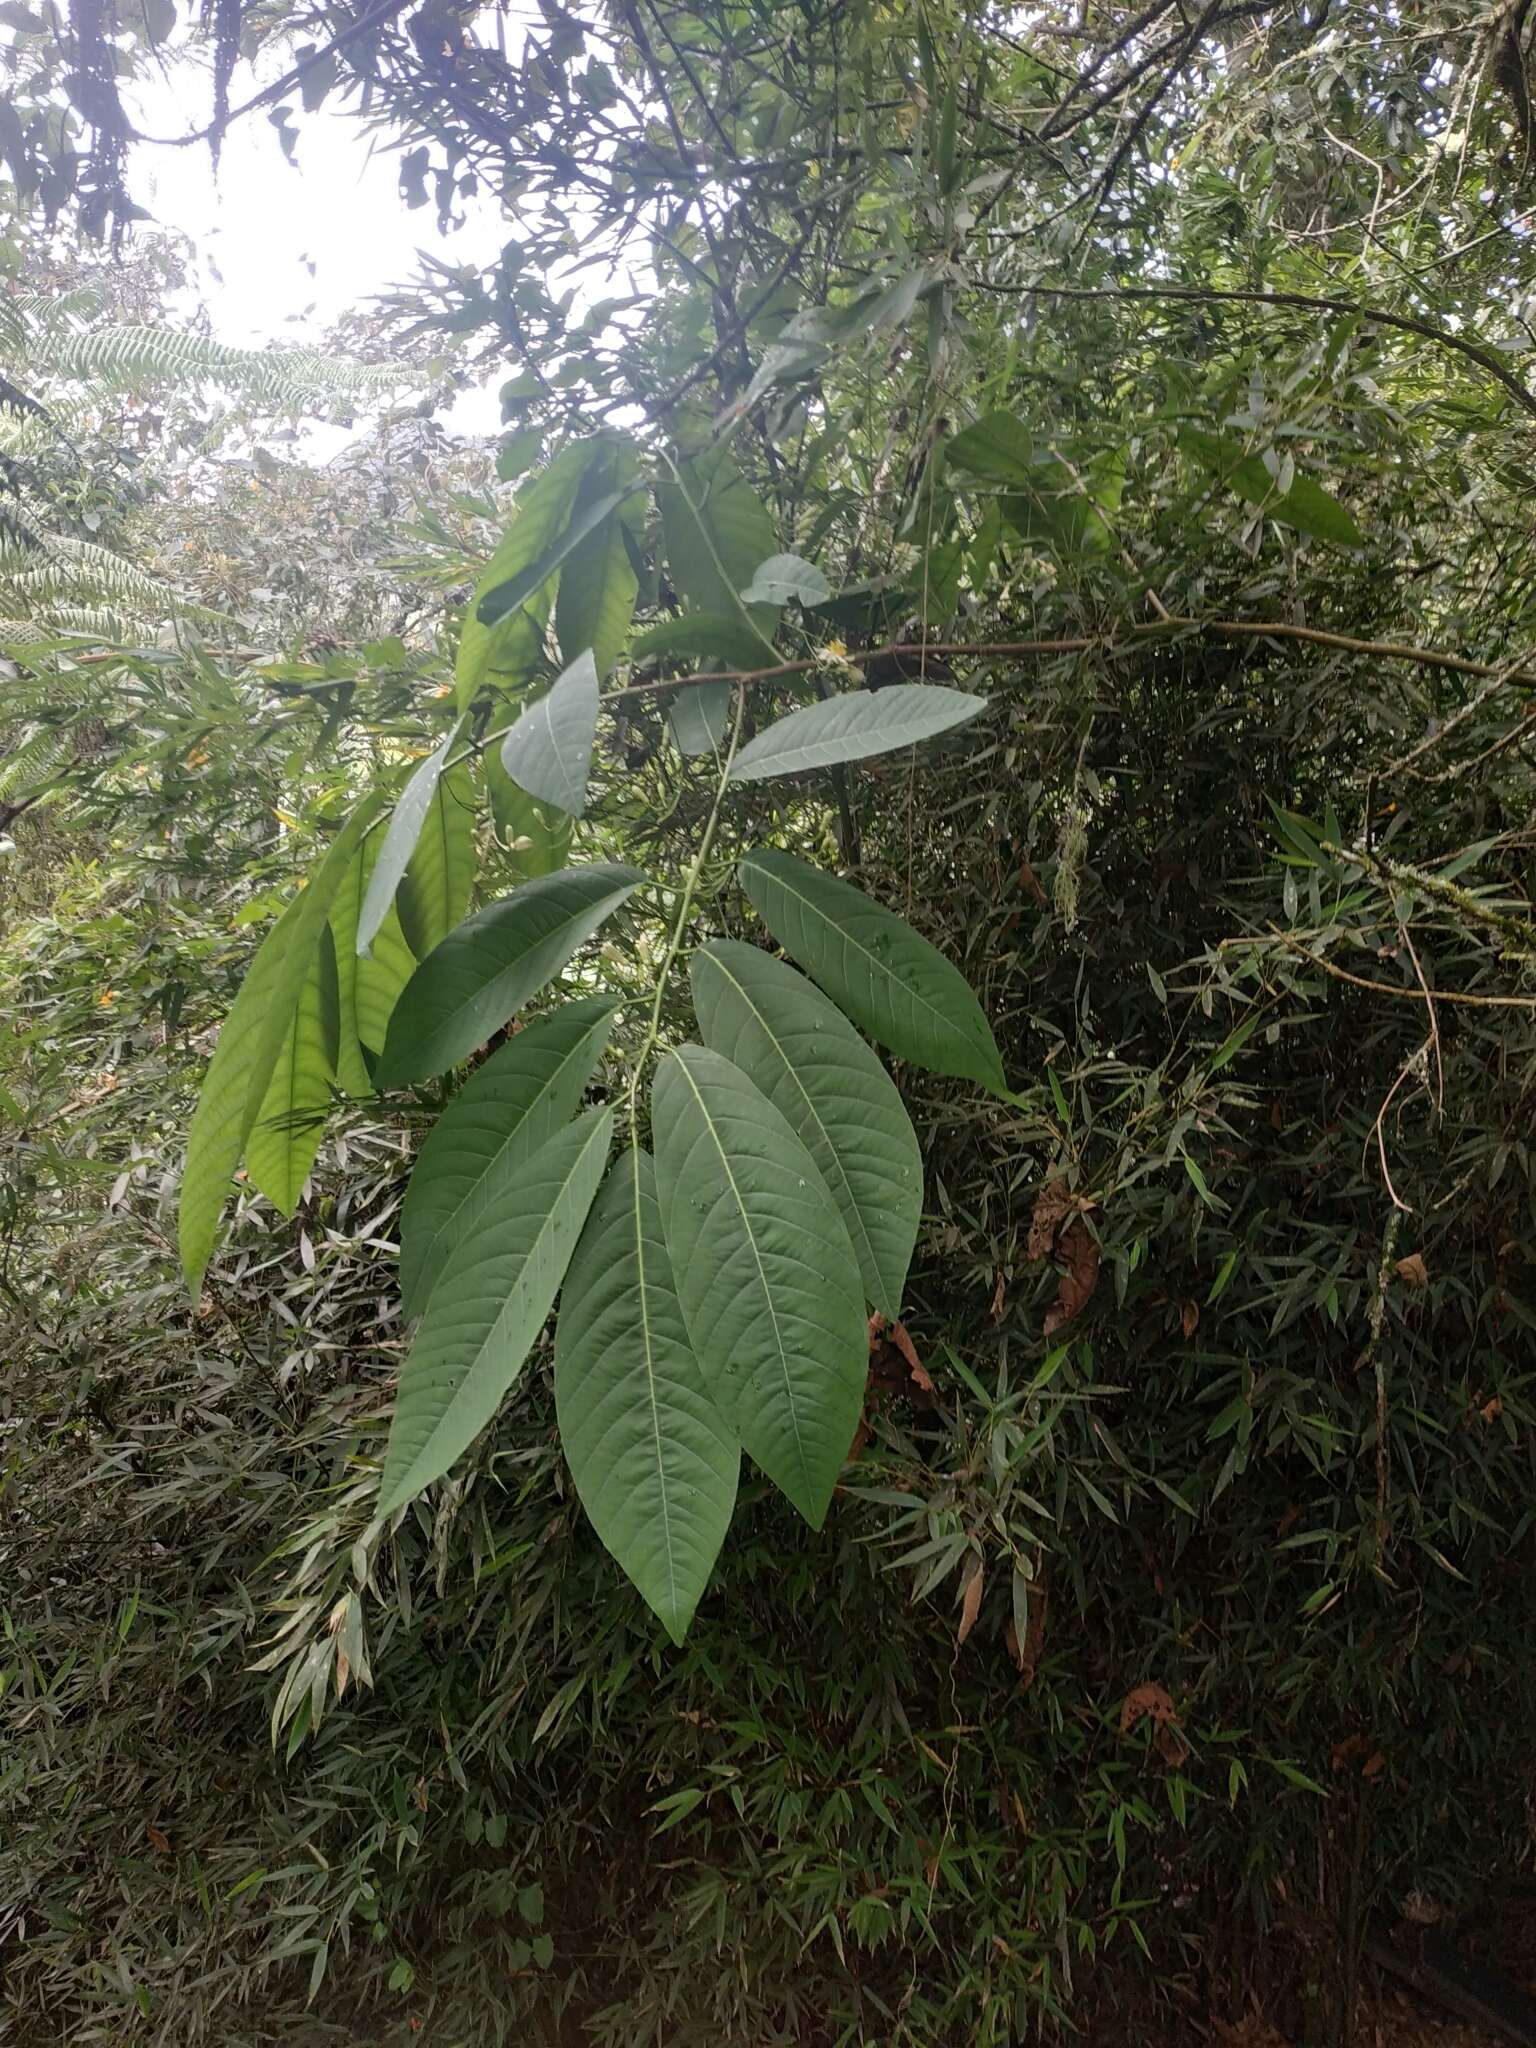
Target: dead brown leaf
[(1189, 1318), (1146, 1702), (1078, 1246), (1412, 1271), (997, 1296), (1053, 1205), (1031, 882), (970, 1602), (1491, 1410), (908, 1350), (1028, 1653), (159, 1839)]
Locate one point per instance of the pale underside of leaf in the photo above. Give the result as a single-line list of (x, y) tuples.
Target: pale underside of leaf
[(654, 1462), (490, 1304), (766, 1276), (791, 1040), (853, 726), (548, 752), (507, 1110)]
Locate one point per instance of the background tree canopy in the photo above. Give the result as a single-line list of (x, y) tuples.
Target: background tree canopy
[(1024, 517)]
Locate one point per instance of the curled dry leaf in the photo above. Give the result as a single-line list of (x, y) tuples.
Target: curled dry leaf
[(1079, 1248), (159, 1839), (997, 1296), (1027, 1654), (1151, 1702), (908, 1350), (970, 1602), (1189, 1318), (1053, 1205), (1058, 1229), (1412, 1271)]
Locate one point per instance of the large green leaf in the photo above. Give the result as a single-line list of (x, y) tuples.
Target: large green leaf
[(653, 1460), (514, 645), (240, 1071), (504, 598), (352, 1072), (787, 579), (798, 1048), (400, 837), (286, 1135), (537, 835), (504, 1112), (717, 639), (598, 585), (381, 979), (766, 1276), (484, 972), (999, 447), (1306, 505), (496, 1289), (852, 726), (548, 752), (698, 717), (876, 968), (436, 887)]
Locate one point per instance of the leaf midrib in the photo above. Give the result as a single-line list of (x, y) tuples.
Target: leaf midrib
[(789, 1068), (773, 1313)]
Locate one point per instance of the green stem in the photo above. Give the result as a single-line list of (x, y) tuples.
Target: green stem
[(685, 909)]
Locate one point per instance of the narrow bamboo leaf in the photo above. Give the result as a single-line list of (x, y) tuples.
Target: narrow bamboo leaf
[(698, 717), (1306, 505), (286, 1135), (435, 889), (537, 836), (238, 1075), (653, 1460), (513, 646), (503, 598), (787, 579), (484, 972), (549, 750), (596, 599), (505, 1112), (852, 726), (766, 1276), (410, 814), (798, 1048), (877, 969), (495, 1292)]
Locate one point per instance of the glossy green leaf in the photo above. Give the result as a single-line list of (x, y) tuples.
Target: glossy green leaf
[(400, 837), (997, 446), (504, 598), (852, 726), (1306, 505), (654, 1462), (721, 641), (878, 970), (484, 972), (766, 1276), (548, 752), (598, 584), (716, 530), (435, 889), (496, 1289), (537, 836), (797, 1047), (513, 647), (504, 1112), (240, 1071), (381, 979), (291, 1121), (353, 1076), (787, 579)]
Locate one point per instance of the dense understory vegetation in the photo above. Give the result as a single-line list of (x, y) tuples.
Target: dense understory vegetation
[(1160, 380)]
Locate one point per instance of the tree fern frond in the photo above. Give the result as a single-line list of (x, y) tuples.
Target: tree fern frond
[(132, 355)]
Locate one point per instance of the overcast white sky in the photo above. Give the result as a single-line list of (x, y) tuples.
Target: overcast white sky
[(284, 249)]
